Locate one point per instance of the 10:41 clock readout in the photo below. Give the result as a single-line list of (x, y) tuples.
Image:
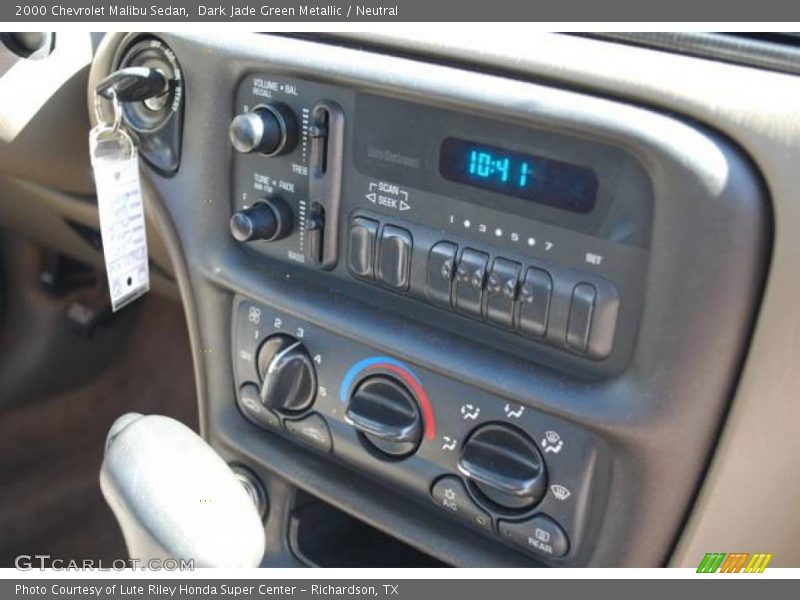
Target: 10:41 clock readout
[(534, 178)]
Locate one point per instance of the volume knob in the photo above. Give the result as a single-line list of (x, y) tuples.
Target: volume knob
[(270, 129)]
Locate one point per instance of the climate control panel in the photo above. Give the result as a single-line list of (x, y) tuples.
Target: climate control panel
[(497, 465)]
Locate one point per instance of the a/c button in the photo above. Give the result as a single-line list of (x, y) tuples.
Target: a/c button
[(450, 495)]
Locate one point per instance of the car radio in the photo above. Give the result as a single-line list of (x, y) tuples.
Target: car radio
[(538, 237)]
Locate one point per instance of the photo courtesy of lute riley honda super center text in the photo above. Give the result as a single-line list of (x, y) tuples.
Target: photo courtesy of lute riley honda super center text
[(219, 11), (231, 591)]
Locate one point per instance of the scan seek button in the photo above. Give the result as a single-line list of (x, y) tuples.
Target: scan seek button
[(394, 258), (360, 258), (450, 495)]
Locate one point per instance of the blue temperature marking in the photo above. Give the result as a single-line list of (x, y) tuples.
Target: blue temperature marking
[(344, 389)]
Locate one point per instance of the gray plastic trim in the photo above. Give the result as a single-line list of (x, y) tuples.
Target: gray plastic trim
[(756, 109), (660, 418), (738, 49)]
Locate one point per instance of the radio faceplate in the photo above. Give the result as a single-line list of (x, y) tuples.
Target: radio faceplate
[(377, 186)]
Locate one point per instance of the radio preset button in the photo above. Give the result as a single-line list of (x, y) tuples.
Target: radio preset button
[(501, 291), (394, 258), (580, 316), (470, 277), (361, 254), (533, 305), (441, 268)]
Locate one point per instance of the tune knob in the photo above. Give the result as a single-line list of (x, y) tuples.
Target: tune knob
[(505, 466), (268, 220), (387, 415), (289, 380), (270, 129)]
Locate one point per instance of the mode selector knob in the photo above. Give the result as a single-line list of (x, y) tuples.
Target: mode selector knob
[(270, 129), (386, 414), (289, 380), (505, 466), (267, 220)]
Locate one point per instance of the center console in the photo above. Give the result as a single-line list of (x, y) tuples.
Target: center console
[(532, 241), (494, 319)]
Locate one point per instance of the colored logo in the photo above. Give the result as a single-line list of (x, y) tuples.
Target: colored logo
[(736, 562)]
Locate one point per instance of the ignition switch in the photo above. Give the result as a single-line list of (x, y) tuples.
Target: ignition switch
[(150, 87)]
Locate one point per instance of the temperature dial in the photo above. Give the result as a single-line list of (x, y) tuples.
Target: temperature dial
[(386, 414), (270, 129)]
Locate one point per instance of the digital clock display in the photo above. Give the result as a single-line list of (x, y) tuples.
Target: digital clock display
[(533, 178)]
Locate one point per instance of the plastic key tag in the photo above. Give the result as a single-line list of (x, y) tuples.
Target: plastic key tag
[(119, 200)]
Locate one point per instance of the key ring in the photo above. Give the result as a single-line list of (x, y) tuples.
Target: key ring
[(115, 123), (109, 135)]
